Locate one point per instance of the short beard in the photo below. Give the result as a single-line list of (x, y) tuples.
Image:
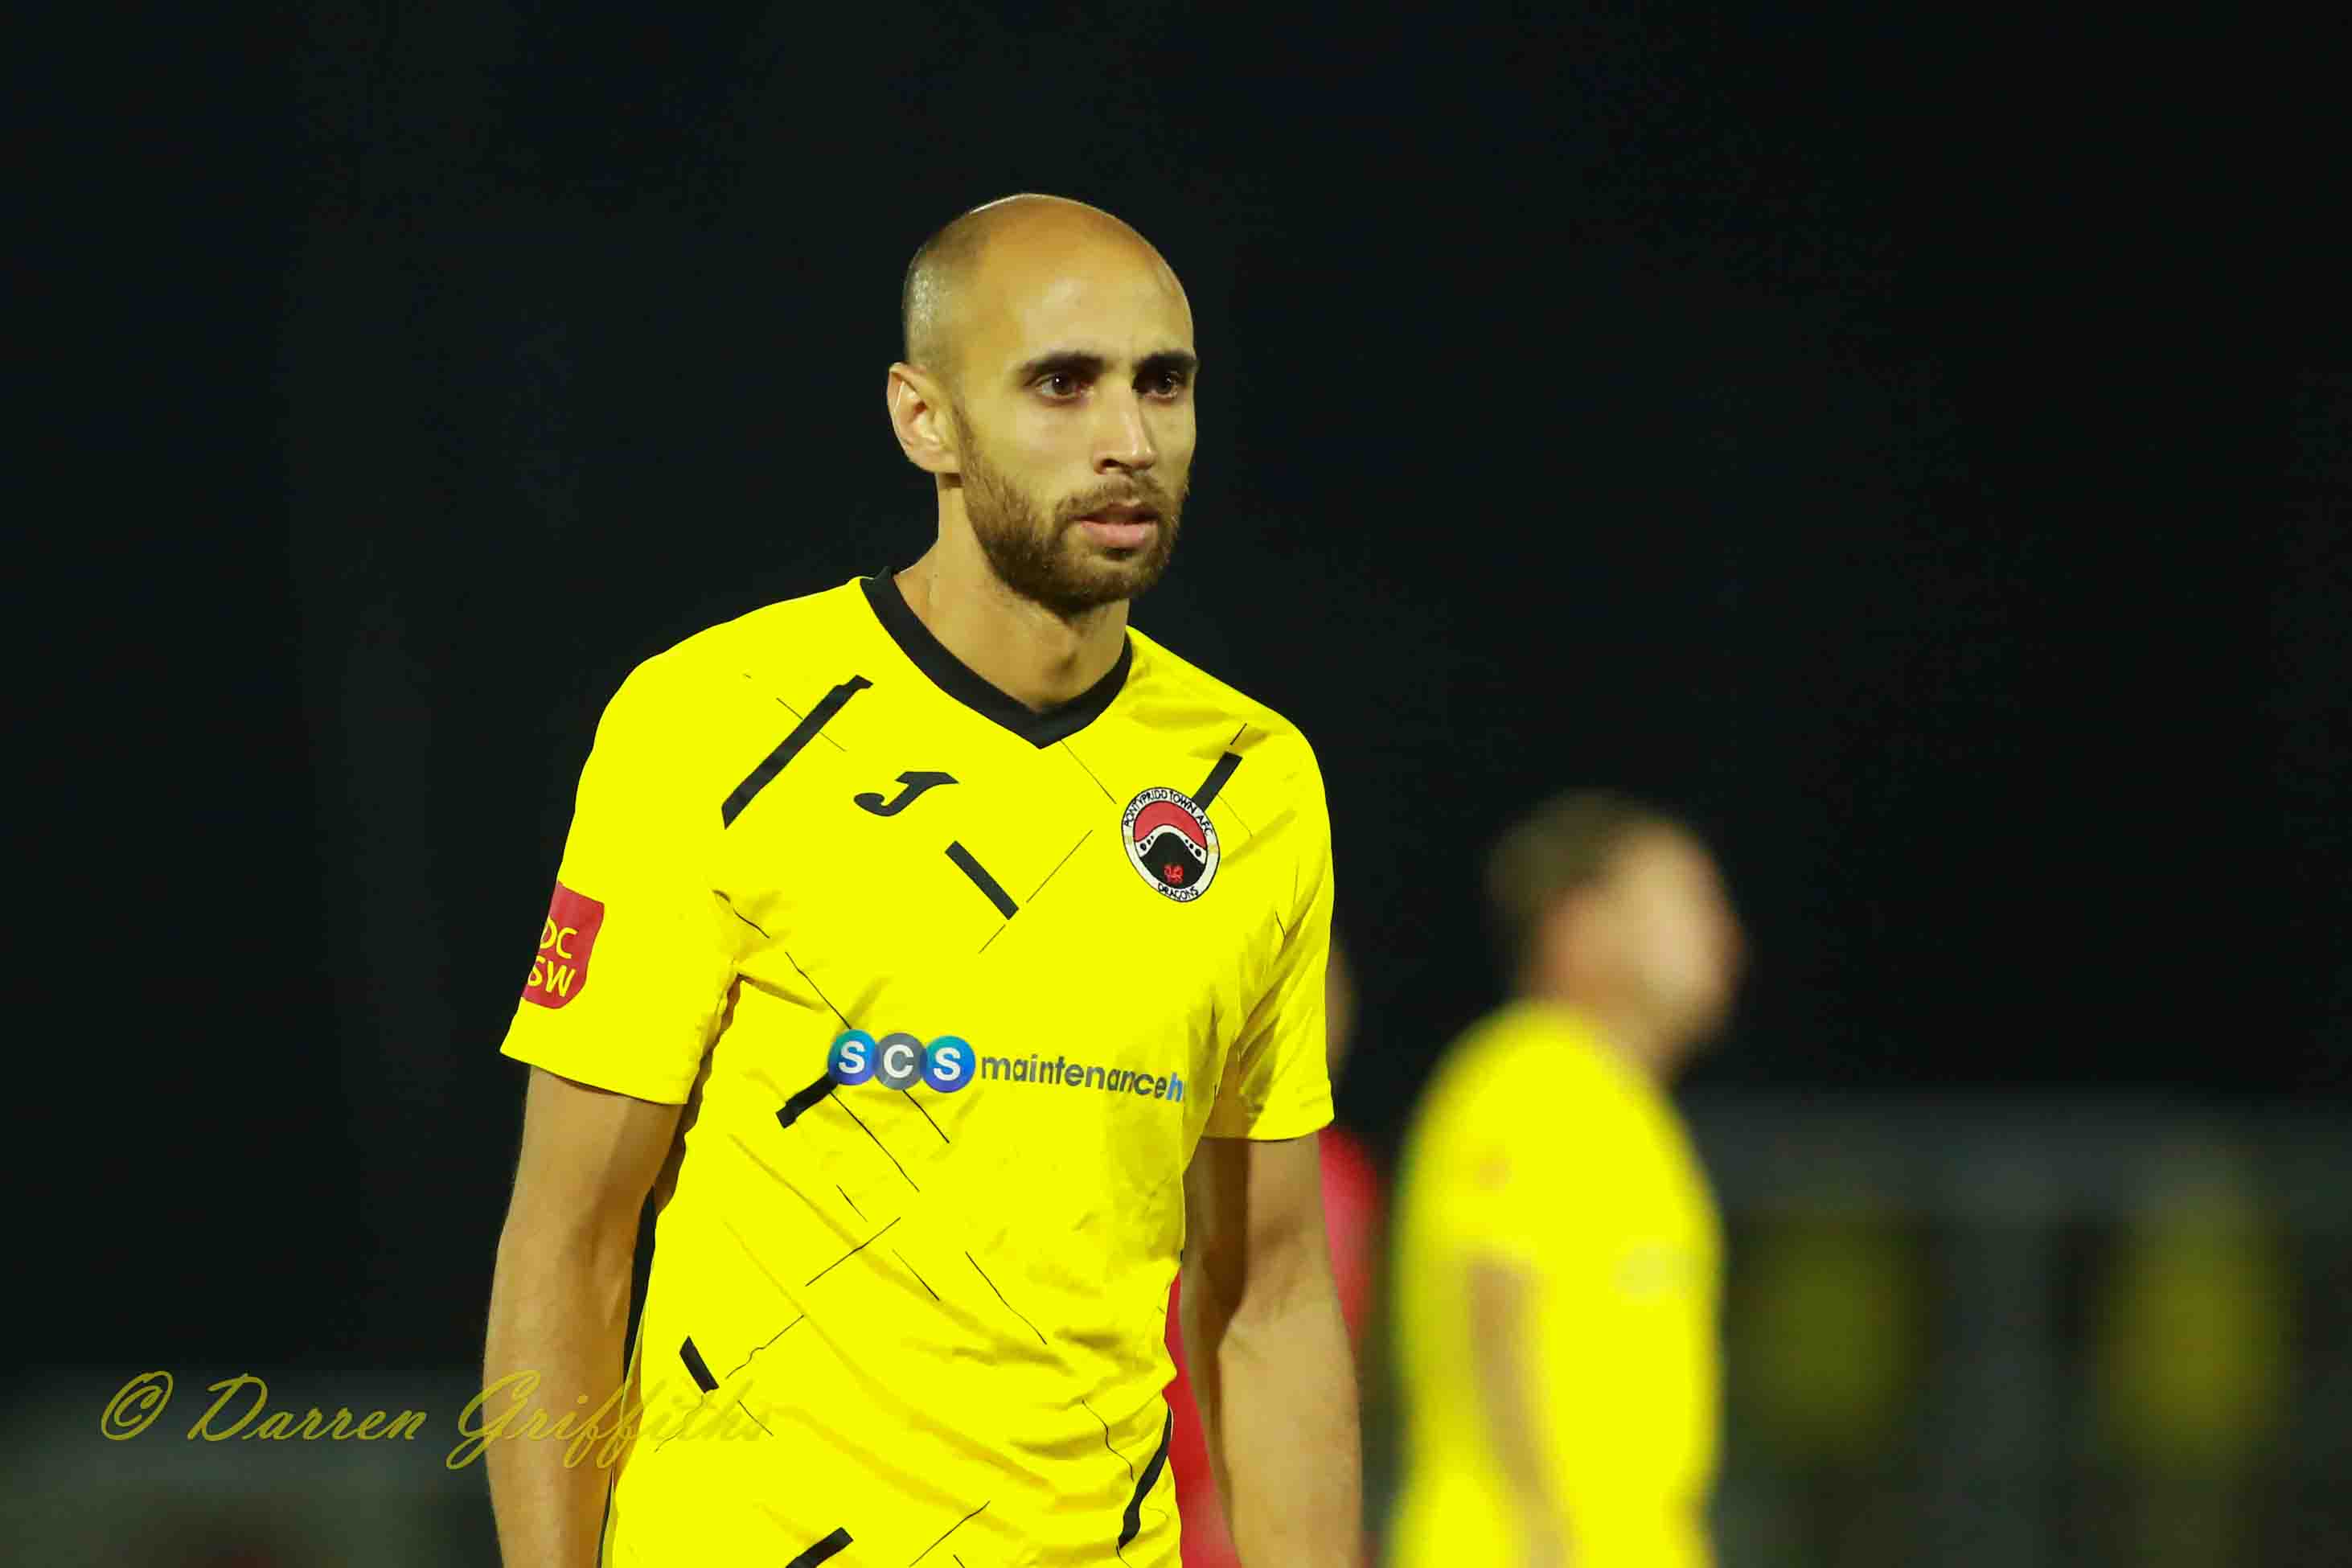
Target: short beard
[(1030, 552)]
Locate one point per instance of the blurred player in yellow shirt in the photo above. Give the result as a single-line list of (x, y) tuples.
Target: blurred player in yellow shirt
[(1558, 1251)]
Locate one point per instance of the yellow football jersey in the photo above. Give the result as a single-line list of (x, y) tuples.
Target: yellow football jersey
[(1538, 1146), (951, 990)]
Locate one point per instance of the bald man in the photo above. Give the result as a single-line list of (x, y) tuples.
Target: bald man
[(946, 961)]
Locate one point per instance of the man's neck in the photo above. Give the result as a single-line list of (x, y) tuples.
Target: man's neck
[(1622, 1031), (1024, 650)]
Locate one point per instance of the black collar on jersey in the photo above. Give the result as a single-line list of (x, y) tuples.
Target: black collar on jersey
[(959, 681)]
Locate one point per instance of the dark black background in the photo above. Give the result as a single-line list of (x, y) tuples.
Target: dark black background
[(1813, 421)]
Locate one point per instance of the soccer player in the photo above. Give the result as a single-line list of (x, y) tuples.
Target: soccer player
[(946, 959), (1557, 1250)]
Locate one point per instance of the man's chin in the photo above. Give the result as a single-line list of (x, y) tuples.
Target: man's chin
[(1136, 581), (1109, 574), (1075, 592)]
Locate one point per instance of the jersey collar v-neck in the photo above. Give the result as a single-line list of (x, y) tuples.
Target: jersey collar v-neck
[(961, 682)]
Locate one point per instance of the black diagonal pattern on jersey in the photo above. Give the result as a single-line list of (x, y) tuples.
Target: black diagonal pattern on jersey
[(853, 1252), (1056, 871), (829, 1547), (696, 1369), (1090, 773), (772, 1338), (1114, 1453), (798, 714), (870, 1133), (1216, 778), (983, 880), (803, 734), (699, 1370), (789, 1112), (951, 1528), (818, 989), (999, 1296), (1064, 860), (1132, 1522), (911, 1268), (738, 914), (909, 1092)]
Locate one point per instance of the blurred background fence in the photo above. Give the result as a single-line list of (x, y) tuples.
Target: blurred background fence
[(1958, 1331), (2035, 1334)]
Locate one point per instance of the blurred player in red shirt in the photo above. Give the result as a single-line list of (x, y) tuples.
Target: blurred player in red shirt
[(1352, 1218)]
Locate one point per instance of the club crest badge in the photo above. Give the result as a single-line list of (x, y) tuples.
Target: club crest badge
[(1171, 842)]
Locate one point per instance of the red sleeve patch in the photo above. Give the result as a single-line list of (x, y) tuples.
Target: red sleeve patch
[(559, 972)]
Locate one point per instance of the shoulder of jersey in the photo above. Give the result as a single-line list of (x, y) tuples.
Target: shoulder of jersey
[(1513, 1058), (700, 711), (1174, 690), (773, 651)]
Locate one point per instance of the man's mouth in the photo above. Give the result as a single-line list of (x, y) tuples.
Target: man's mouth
[(1121, 527)]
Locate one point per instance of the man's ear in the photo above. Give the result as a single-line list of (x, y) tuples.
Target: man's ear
[(919, 417)]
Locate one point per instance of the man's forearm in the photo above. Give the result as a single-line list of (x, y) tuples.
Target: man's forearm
[(1277, 1389), (559, 1313), (1502, 1325)]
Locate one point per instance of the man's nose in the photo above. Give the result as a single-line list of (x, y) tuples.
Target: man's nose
[(1126, 440)]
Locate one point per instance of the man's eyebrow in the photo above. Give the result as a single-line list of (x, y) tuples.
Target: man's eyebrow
[(1167, 361), (1085, 366)]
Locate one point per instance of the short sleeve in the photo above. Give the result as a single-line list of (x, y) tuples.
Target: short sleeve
[(1508, 1164), (1501, 1183), (1277, 1081), (635, 960)]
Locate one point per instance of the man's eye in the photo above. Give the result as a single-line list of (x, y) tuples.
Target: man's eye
[(1168, 382), (1060, 384)]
